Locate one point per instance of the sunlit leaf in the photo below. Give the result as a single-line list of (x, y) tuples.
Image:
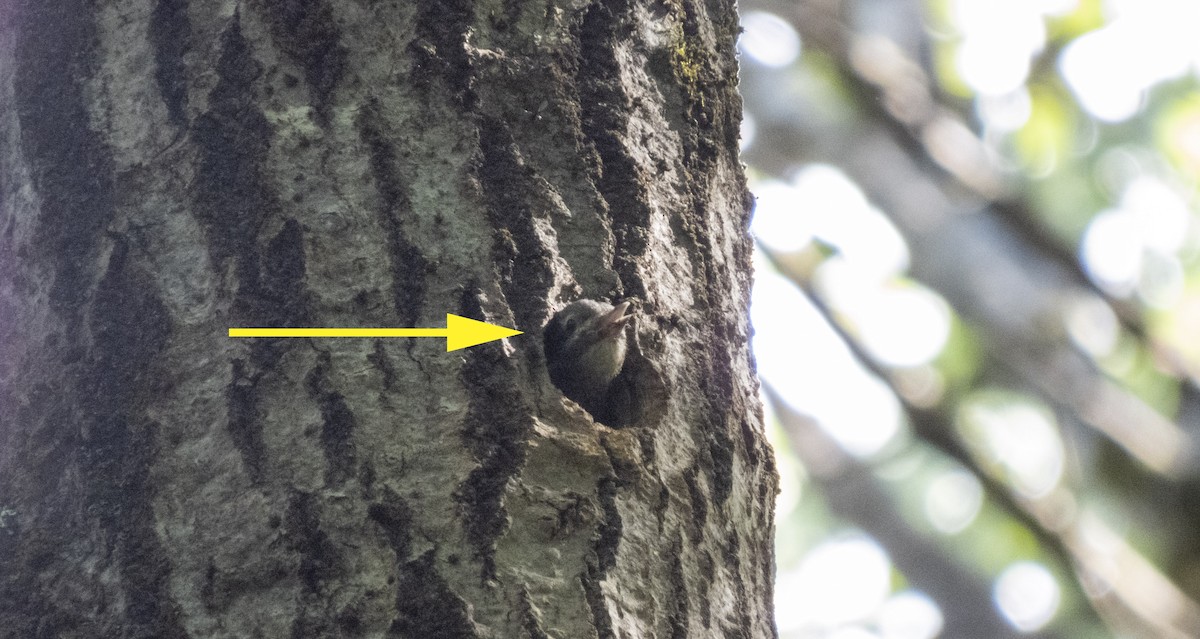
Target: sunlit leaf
[(1049, 133), (1177, 133), (1087, 15)]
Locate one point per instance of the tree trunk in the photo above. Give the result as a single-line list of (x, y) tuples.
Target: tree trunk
[(169, 170)]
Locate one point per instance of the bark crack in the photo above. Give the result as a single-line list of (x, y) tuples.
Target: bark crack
[(496, 430), (338, 422), (307, 32), (409, 268)]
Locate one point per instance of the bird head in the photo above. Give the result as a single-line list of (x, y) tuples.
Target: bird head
[(585, 347)]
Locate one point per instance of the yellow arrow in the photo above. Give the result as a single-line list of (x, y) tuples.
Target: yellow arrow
[(460, 332)]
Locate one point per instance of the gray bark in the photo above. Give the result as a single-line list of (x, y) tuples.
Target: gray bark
[(170, 169)]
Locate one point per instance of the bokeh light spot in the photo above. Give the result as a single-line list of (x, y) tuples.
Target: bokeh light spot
[(769, 39), (1027, 595), (953, 500), (838, 582), (910, 615)]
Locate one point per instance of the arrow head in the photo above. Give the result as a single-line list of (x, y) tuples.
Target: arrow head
[(464, 332)]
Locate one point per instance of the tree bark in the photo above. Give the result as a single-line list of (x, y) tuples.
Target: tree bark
[(170, 169)]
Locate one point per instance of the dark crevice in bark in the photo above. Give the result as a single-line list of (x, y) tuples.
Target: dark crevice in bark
[(410, 269), (703, 131), (305, 30), (337, 423), (496, 430), (320, 561), (627, 471), (529, 619), (716, 113), (752, 442), (170, 34), (604, 549), (694, 72), (129, 329), (606, 111), (426, 607), (395, 517), (604, 554), (349, 620), (743, 604), (704, 562), (232, 203), (337, 430), (57, 140), (108, 357), (319, 557), (439, 51), (602, 623), (766, 549), (282, 287), (699, 505), (208, 590), (611, 527), (244, 425), (720, 450), (550, 126), (383, 363), (608, 533), (646, 443), (718, 381), (527, 273), (662, 507), (232, 138), (716, 456), (283, 271), (677, 595)]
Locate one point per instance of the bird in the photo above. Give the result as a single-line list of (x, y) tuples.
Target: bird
[(585, 351)]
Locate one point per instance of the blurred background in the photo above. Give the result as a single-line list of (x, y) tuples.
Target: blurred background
[(977, 299)]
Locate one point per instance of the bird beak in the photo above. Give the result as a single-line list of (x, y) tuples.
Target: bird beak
[(613, 321)]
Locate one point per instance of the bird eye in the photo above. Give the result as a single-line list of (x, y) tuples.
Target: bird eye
[(569, 325)]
